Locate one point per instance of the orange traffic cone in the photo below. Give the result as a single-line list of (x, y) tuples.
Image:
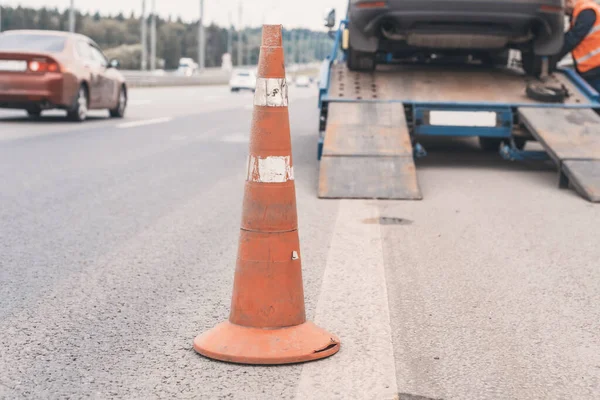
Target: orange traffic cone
[(267, 324)]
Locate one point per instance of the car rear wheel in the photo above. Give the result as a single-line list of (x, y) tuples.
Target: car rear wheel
[(79, 110), (119, 110), (34, 112), (360, 61)]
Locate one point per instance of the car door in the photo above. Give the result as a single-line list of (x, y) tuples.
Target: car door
[(107, 93), (84, 50)]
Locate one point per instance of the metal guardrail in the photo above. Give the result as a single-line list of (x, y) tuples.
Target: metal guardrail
[(213, 76), (210, 76)]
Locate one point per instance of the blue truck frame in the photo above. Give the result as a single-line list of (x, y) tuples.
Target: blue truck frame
[(505, 111)]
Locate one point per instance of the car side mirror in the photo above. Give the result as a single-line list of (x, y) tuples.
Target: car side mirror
[(330, 18), (114, 63)]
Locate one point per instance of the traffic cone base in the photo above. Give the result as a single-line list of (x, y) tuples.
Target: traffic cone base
[(238, 344)]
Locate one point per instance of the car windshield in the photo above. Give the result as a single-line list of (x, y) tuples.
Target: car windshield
[(32, 42)]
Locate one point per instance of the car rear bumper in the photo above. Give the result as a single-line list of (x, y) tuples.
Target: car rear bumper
[(242, 85), (23, 91), (511, 21)]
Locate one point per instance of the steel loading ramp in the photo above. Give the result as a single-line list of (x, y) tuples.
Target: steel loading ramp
[(572, 139), (367, 153)]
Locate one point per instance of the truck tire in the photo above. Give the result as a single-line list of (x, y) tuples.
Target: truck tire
[(490, 144), (360, 61)]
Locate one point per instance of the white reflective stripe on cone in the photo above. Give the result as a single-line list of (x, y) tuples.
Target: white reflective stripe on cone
[(271, 92), (276, 169)]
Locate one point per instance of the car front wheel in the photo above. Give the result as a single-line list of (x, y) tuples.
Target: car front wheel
[(119, 110), (79, 109)]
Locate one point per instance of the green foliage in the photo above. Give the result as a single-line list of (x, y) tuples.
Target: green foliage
[(119, 37), (129, 55)]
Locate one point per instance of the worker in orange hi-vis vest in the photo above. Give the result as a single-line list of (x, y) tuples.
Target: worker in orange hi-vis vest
[(583, 39)]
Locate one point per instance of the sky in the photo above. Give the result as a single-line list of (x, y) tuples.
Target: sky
[(290, 13)]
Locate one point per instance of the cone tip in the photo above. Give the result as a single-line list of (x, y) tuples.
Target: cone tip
[(272, 36)]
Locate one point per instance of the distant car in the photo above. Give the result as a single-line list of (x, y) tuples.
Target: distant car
[(43, 70), (187, 67), (302, 81), (485, 28), (243, 80)]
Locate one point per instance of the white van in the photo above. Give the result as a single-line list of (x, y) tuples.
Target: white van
[(187, 67), (242, 80)]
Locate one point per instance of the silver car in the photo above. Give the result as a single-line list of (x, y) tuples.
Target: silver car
[(484, 28)]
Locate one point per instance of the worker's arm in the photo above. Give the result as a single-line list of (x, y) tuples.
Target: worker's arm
[(582, 27)]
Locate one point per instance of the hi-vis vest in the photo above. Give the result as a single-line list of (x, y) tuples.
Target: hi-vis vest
[(587, 54)]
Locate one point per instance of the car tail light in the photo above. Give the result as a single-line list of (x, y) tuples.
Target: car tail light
[(552, 9), (372, 4), (43, 66)]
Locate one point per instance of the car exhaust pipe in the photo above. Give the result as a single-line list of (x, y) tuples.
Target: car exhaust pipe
[(389, 30)]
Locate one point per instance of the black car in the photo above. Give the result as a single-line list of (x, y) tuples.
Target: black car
[(486, 29)]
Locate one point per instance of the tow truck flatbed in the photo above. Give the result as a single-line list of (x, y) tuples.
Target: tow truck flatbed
[(438, 84), (370, 123)]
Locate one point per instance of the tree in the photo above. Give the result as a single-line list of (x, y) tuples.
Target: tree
[(44, 21), (120, 36), (170, 37)]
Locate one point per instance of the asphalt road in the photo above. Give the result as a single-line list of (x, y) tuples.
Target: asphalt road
[(118, 242)]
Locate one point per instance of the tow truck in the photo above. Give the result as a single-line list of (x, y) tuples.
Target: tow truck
[(370, 122)]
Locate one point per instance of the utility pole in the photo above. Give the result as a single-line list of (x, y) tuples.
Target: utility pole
[(201, 47), (296, 46), (153, 38), (240, 44), (144, 37), (72, 17), (305, 48), (246, 49), (312, 45), (230, 37)]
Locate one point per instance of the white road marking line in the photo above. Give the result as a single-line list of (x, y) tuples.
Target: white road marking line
[(275, 169), (144, 122), (138, 102), (271, 92), (353, 304)]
